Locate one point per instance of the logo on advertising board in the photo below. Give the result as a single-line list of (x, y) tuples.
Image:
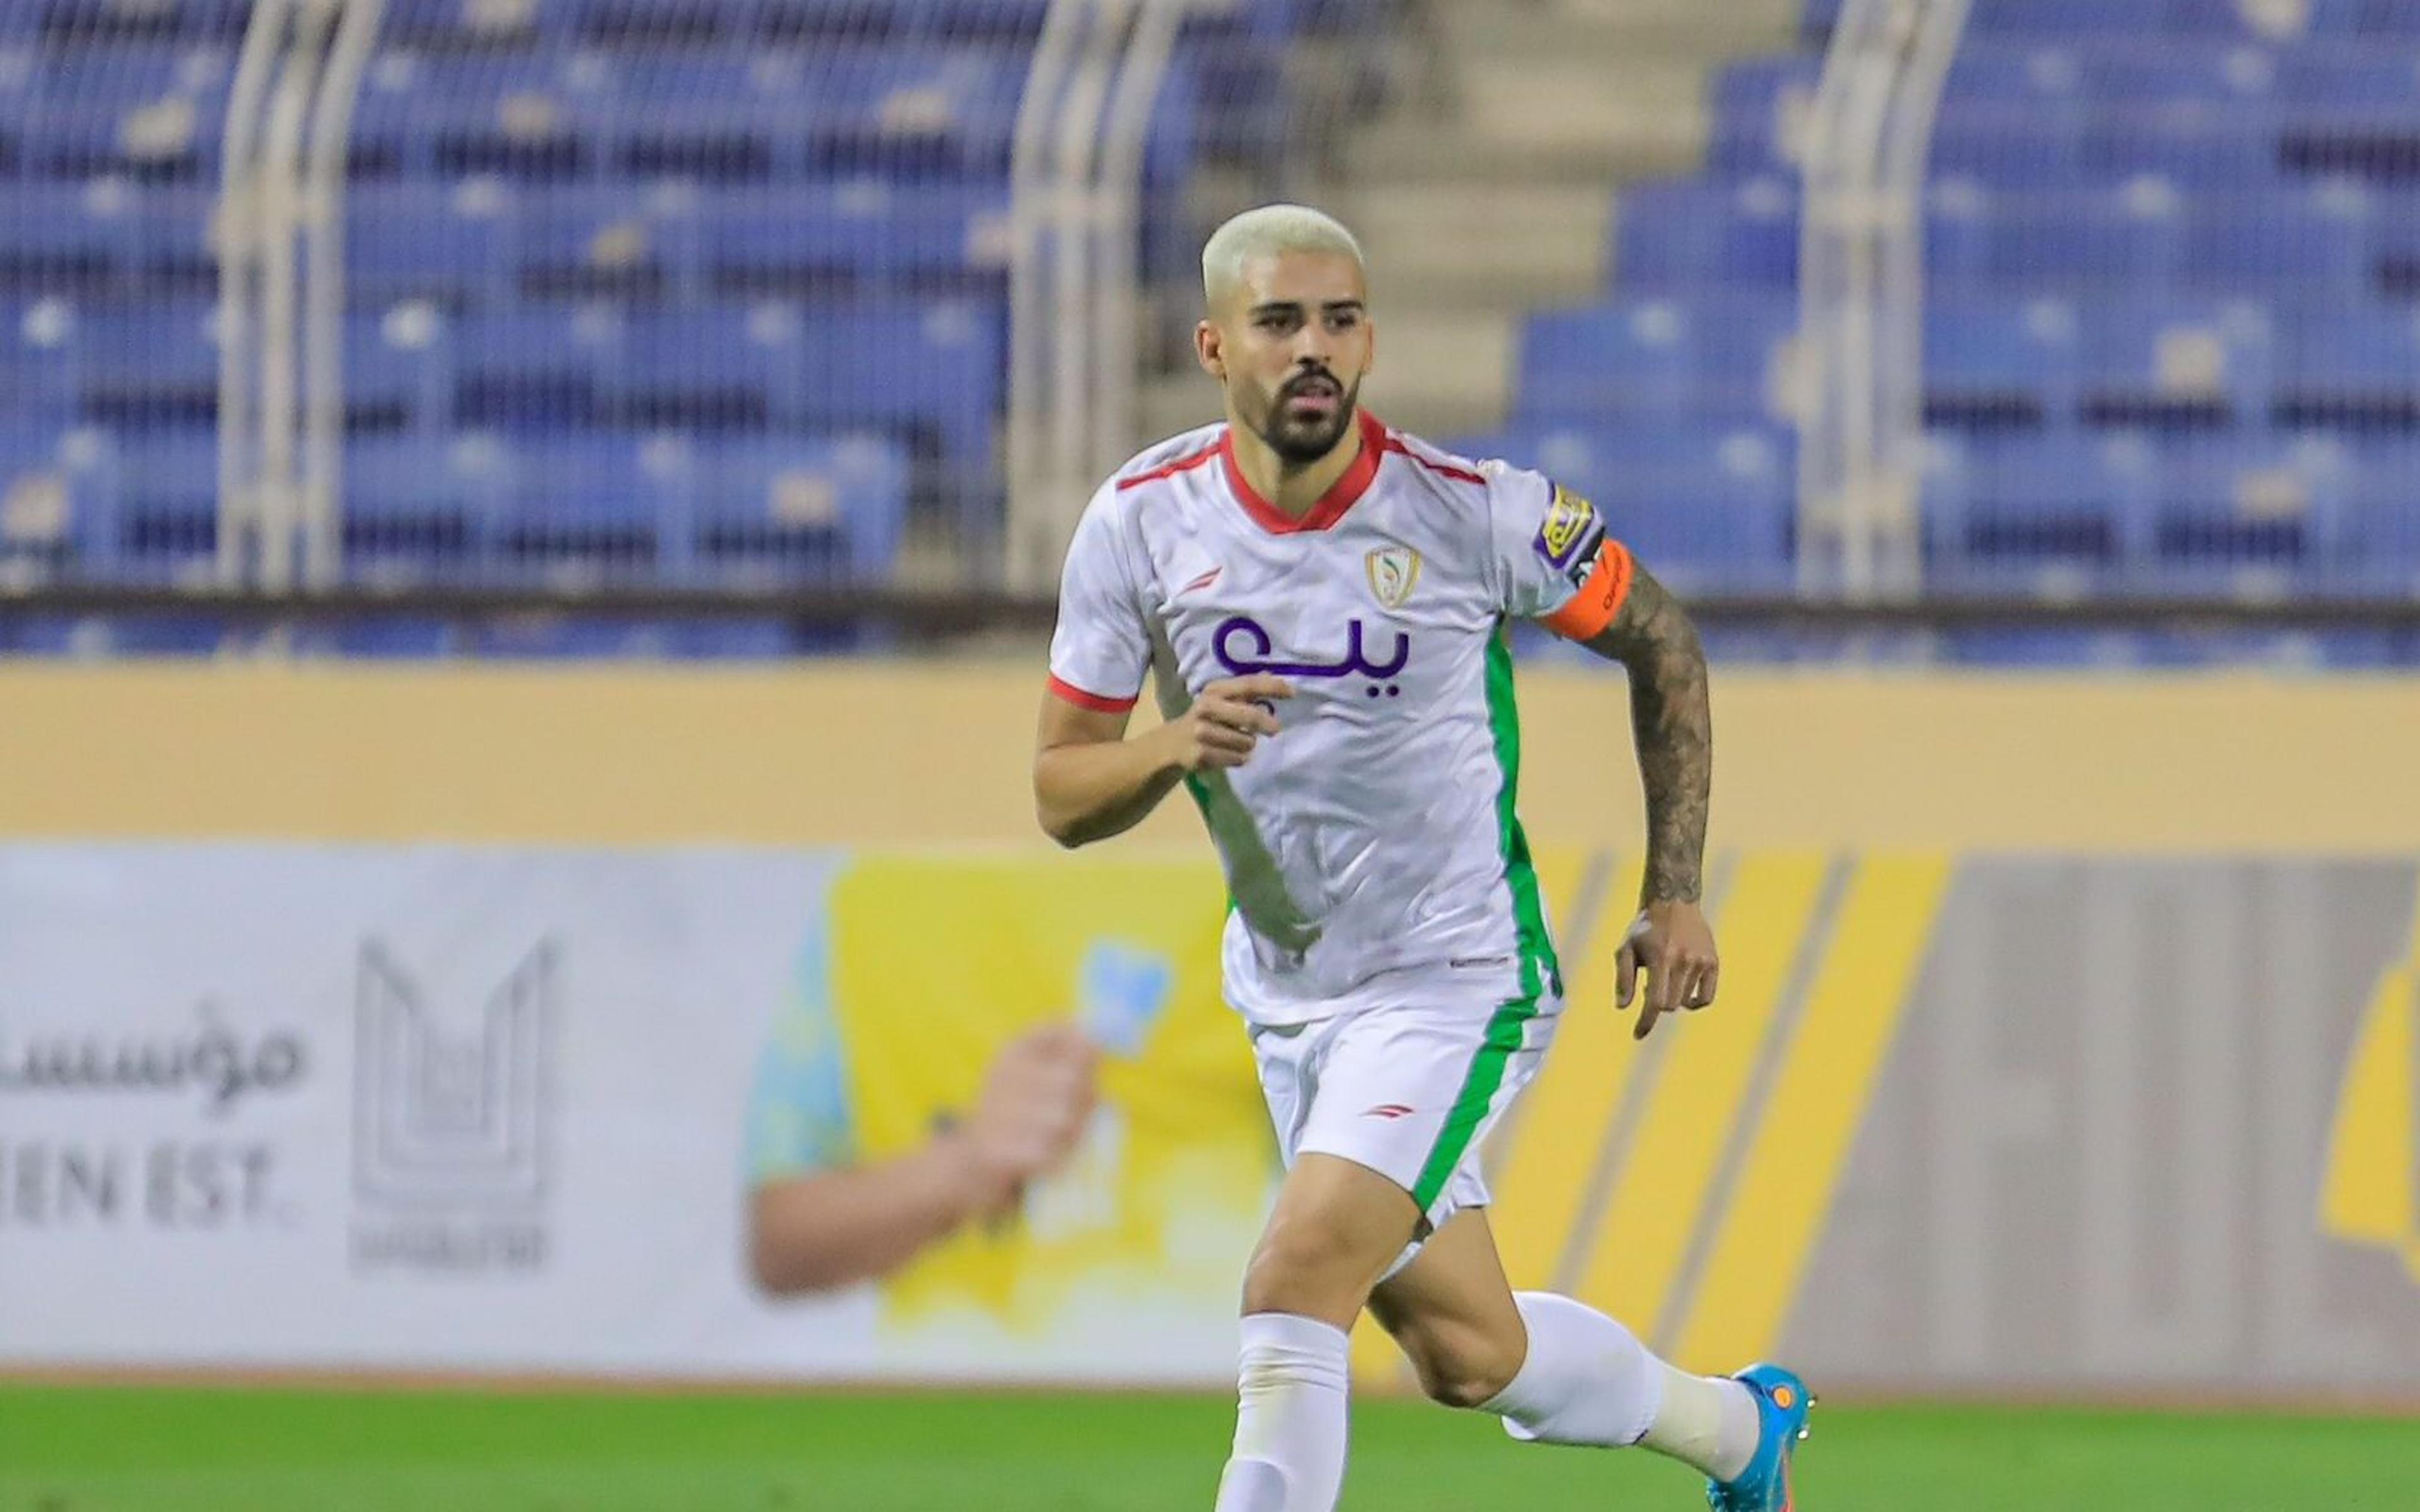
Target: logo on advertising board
[(450, 1119)]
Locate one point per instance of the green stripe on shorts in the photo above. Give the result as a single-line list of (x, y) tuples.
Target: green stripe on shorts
[(1471, 1106)]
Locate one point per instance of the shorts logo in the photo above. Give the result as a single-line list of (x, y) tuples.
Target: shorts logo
[(1571, 532), (1393, 570), (1389, 1111)]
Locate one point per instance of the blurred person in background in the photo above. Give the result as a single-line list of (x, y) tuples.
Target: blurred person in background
[(822, 1218), (1322, 601)]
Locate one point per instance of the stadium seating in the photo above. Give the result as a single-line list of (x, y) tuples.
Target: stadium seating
[(2172, 337), (714, 293), (706, 293)]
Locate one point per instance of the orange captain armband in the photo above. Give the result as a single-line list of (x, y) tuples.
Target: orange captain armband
[(1600, 597)]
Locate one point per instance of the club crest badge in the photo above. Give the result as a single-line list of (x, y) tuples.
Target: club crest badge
[(1393, 570)]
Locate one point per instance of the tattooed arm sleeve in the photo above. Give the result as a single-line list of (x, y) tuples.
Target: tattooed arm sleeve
[(1651, 636)]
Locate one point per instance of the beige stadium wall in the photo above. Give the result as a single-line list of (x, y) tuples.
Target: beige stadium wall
[(935, 753)]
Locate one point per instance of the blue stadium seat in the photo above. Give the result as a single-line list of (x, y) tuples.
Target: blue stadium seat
[(2352, 347), (790, 240), (2178, 69), (775, 513), (2251, 23), (79, 24), (1749, 110), (147, 503), (145, 368), (579, 511), (42, 502), (2225, 145), (67, 239), (2316, 245), (2067, 18), (2085, 239), (2382, 528), (671, 371), (430, 241), (2350, 372), (2036, 146), (1731, 235), (2350, 78), (2005, 74), (2180, 366), (1655, 357), (126, 74), (2029, 511), (1584, 448), (2235, 511), (38, 361), (420, 510), (2001, 363)]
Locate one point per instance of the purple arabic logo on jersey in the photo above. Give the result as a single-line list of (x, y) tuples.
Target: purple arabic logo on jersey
[(1255, 658)]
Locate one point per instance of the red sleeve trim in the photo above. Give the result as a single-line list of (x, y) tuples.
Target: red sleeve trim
[(1182, 464), (1599, 600), (1091, 700), (1395, 443)]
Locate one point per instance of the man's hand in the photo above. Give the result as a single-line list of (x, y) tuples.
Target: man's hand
[(1673, 943), (1225, 721), (1036, 1100)]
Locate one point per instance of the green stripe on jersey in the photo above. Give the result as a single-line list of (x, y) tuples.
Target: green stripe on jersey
[(1540, 971), (1538, 967)]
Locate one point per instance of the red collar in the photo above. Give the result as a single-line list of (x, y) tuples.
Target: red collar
[(1341, 496)]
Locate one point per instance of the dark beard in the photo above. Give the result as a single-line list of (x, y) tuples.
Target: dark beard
[(1299, 446)]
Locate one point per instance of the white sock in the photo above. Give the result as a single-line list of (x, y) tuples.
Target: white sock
[(1290, 1417), (1586, 1379), (1707, 1422)]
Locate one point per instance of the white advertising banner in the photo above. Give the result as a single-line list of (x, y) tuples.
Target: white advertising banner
[(471, 1109), (679, 1113)]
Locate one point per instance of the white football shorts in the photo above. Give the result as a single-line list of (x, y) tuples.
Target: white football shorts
[(1409, 1091)]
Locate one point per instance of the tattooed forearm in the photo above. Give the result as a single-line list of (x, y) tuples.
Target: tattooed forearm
[(1669, 715)]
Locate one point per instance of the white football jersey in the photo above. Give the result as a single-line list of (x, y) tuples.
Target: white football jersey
[(1374, 834)]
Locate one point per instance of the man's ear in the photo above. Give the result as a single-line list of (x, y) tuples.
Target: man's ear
[(1210, 349)]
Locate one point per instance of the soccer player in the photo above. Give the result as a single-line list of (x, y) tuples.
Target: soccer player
[(1321, 602)]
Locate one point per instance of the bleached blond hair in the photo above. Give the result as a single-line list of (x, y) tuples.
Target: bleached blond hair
[(1264, 232)]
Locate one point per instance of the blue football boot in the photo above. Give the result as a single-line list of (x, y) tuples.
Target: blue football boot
[(1781, 1404)]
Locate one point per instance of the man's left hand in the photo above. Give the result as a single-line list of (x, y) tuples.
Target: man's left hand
[(1673, 944)]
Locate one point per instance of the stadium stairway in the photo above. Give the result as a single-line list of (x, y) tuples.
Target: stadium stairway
[(1493, 190)]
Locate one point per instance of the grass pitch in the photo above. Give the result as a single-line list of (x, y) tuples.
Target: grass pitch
[(96, 1449)]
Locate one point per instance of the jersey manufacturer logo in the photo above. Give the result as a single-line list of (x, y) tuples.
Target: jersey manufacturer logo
[(1389, 1111), (1393, 570), (1571, 532), (1203, 581)]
